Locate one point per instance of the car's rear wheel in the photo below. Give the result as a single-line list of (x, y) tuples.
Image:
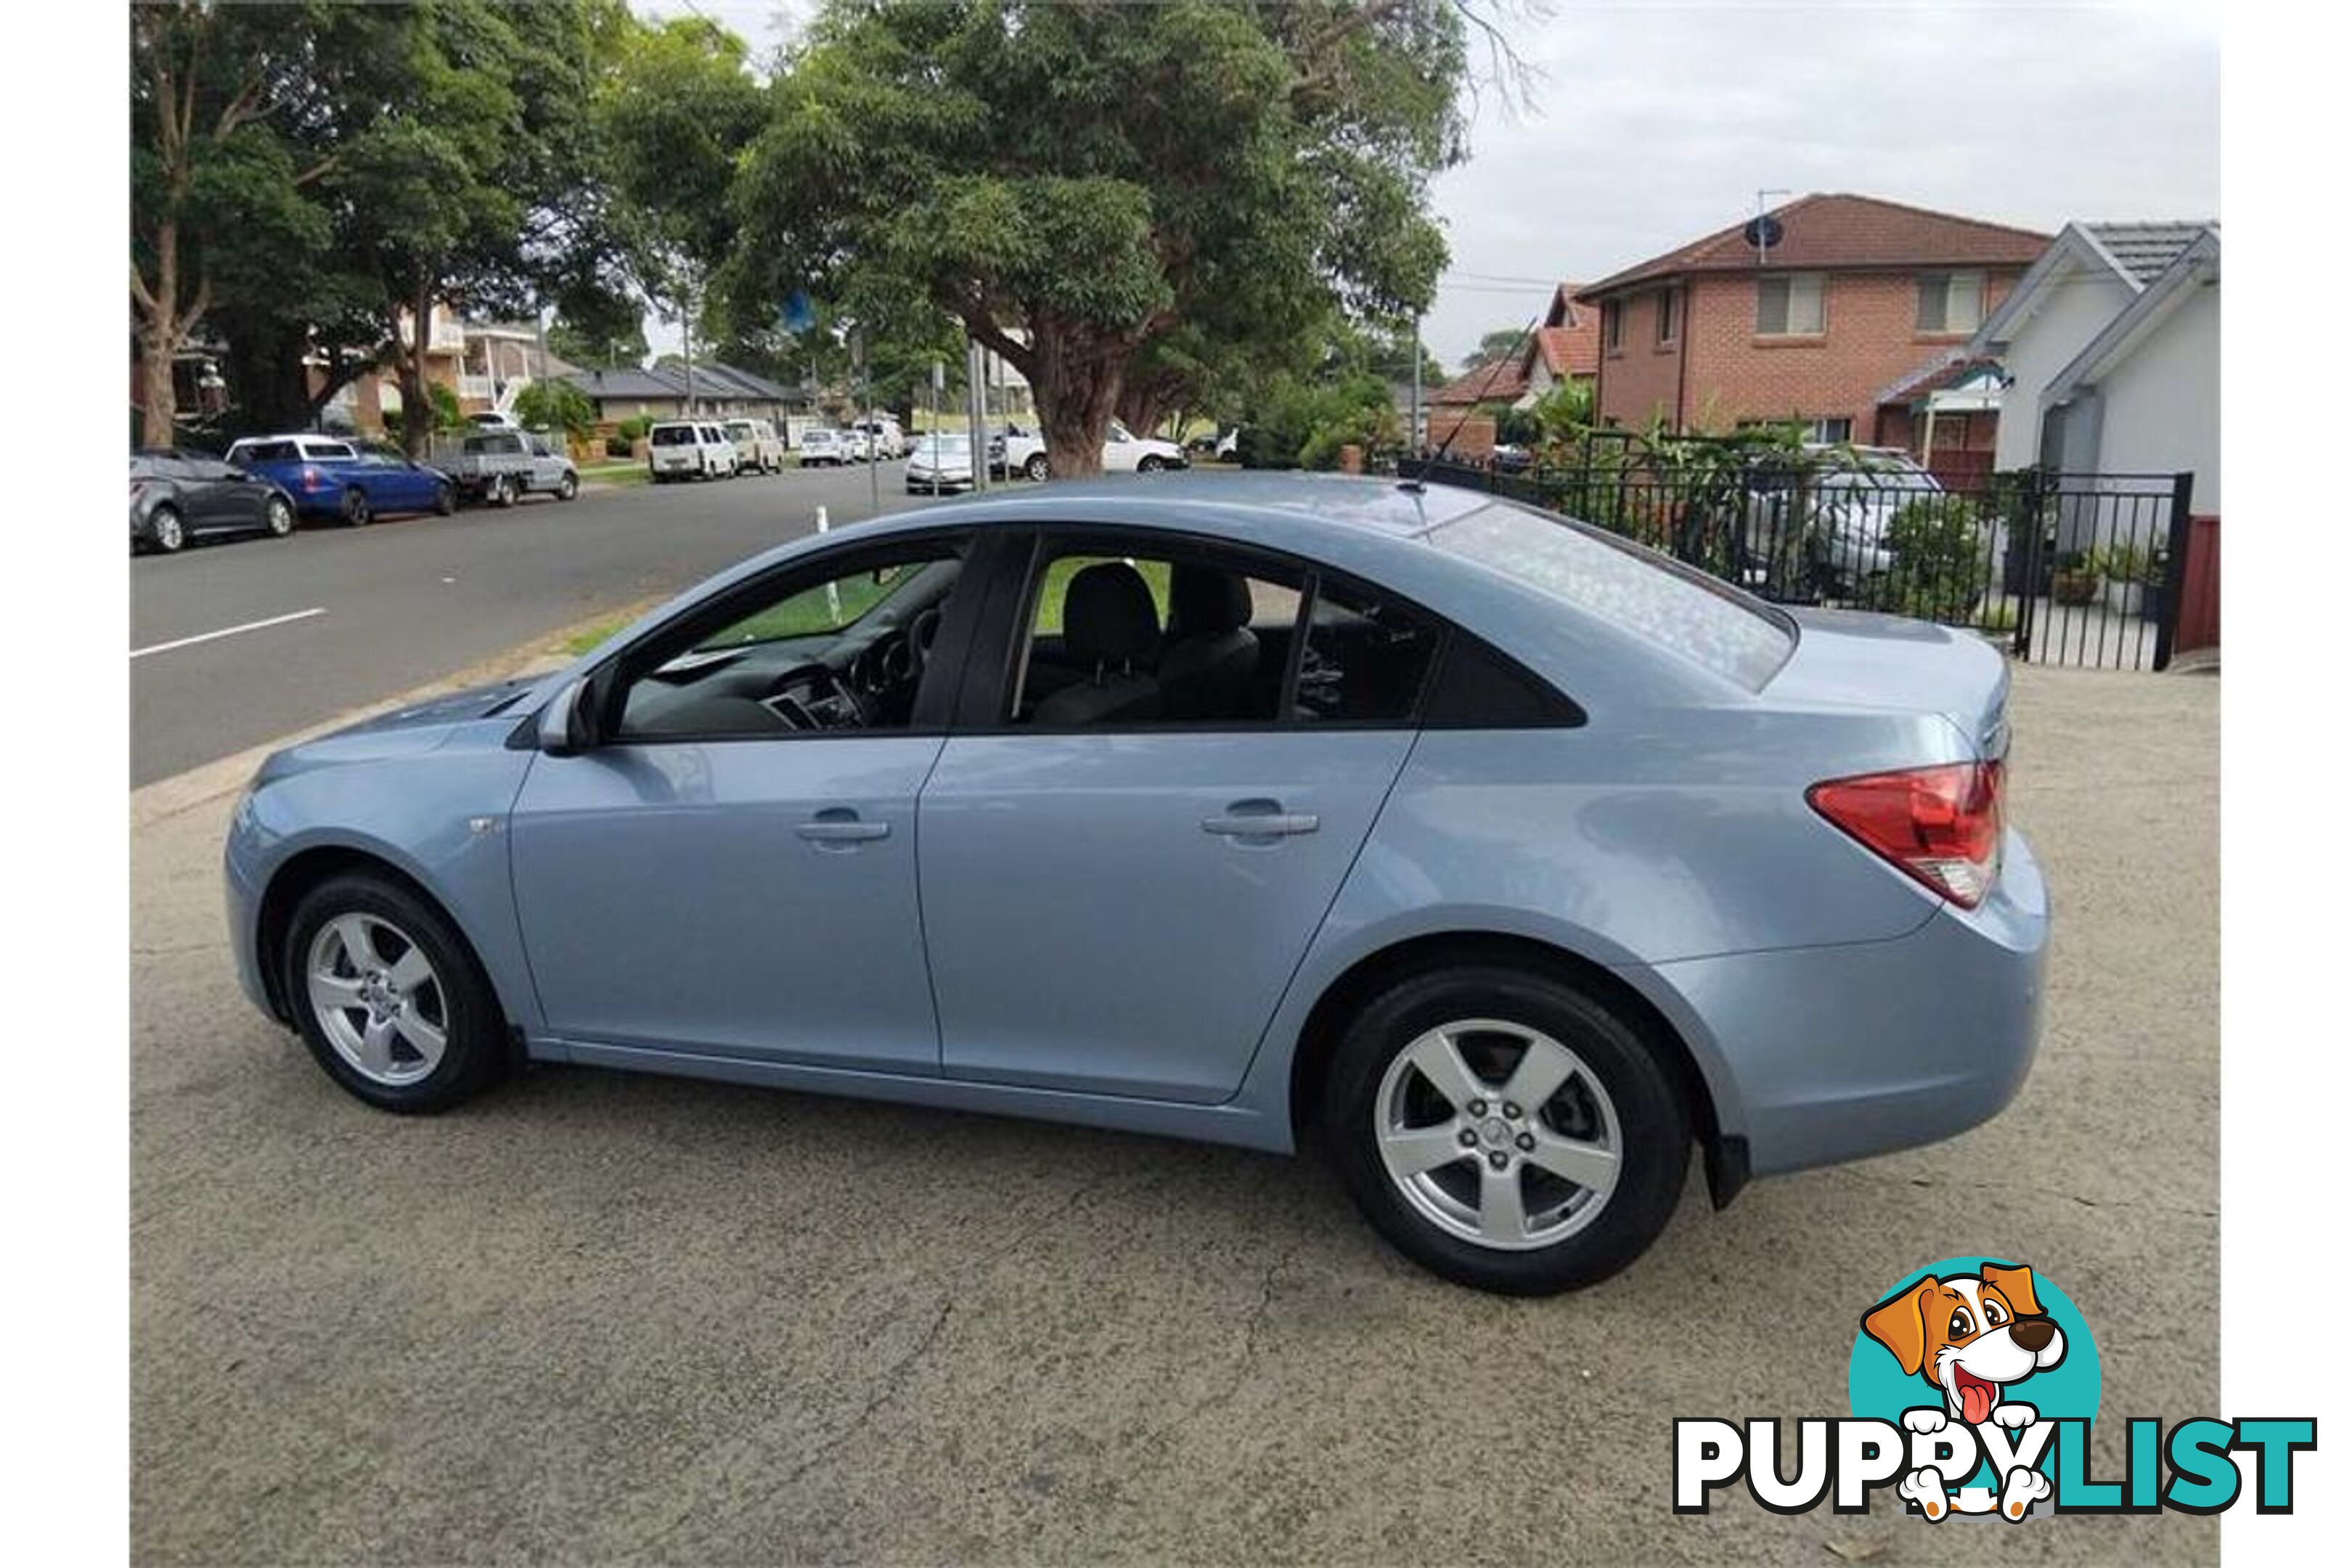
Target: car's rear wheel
[(1035, 467), (444, 498), (278, 515), (502, 491), (388, 996), (165, 529), (567, 487), (356, 510), (1505, 1129)]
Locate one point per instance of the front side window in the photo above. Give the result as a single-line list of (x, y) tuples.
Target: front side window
[(822, 650), (1951, 302), (1789, 305)]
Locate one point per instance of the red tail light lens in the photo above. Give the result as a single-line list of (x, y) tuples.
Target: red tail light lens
[(310, 479), (1941, 825)]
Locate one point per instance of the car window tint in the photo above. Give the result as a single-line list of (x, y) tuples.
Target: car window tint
[(1121, 641), (1682, 610), (825, 650), (673, 435), (331, 451), (1366, 658), (262, 452)]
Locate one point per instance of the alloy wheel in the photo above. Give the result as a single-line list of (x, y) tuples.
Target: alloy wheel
[(1498, 1133), (378, 999), (167, 529), (278, 517)]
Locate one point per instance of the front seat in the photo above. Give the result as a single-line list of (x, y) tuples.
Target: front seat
[(1210, 655), (1111, 631)]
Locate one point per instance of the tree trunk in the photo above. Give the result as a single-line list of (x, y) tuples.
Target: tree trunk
[(417, 415), (1143, 404), (1080, 373)]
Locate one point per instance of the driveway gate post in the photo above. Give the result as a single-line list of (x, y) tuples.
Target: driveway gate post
[(2175, 568), (2029, 519)]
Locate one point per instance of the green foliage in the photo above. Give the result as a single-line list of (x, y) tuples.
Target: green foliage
[(636, 426), (1304, 424), (1494, 346), (1937, 543), (1077, 183), (600, 337), (556, 405), (1565, 413)]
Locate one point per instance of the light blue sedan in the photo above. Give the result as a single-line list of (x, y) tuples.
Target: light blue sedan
[(1511, 859)]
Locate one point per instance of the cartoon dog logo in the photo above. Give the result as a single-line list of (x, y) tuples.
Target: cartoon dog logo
[(1972, 1337)]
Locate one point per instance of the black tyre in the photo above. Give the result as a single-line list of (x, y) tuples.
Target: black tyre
[(278, 517), (444, 498), (1035, 467), (567, 487), (389, 997), (165, 530), (1506, 1131), (1148, 465), (357, 513)]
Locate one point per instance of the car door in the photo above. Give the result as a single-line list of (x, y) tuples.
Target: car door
[(711, 881), (210, 499), (1117, 887)]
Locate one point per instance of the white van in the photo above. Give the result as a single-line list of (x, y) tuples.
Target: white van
[(756, 444), (690, 450), (884, 439)]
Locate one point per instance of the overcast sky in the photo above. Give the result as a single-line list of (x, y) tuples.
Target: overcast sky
[(1656, 122)]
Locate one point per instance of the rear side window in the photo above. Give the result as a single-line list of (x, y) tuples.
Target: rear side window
[(1366, 658), (327, 451), (1684, 611), (262, 452)]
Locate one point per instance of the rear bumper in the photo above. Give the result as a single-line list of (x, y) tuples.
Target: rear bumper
[(1836, 1053)]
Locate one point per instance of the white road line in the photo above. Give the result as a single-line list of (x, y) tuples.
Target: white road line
[(228, 631)]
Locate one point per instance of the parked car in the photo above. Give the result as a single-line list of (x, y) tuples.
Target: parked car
[(941, 461), (1512, 856), (756, 444), (1509, 458), (825, 448), (177, 496), (884, 438), (1017, 451), (690, 450), (1833, 504), (493, 420), (1124, 453), (345, 481), (501, 467)]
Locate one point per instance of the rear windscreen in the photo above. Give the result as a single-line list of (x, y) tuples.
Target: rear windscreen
[(673, 435), (1684, 611)]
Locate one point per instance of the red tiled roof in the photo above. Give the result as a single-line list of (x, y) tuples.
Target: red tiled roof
[(1842, 232), (1494, 379), (1571, 350)]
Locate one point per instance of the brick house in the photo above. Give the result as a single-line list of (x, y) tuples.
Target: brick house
[(1848, 300), (1565, 346)]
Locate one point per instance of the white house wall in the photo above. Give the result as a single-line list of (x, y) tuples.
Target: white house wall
[(2164, 400), (2074, 310)]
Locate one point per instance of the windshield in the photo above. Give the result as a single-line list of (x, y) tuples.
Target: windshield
[(1686, 612), (740, 429), (831, 607)]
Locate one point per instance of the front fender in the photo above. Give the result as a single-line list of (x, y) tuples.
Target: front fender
[(441, 822)]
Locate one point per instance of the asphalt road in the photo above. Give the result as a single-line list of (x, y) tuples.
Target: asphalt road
[(407, 601), (602, 1318)]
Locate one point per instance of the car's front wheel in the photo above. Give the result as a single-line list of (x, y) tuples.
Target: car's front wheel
[(1149, 466), (388, 996), (1035, 467), (1505, 1129), (444, 498)]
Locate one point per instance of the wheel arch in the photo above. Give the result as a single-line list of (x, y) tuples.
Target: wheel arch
[(1725, 1151), (308, 868)]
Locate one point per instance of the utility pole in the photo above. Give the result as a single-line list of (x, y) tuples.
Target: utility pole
[(872, 433)]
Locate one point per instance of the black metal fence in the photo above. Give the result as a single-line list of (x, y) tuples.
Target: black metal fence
[(2065, 569)]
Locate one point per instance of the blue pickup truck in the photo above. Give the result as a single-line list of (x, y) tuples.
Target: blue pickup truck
[(346, 481)]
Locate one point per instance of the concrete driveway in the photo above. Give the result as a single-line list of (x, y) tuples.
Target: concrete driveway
[(605, 1318)]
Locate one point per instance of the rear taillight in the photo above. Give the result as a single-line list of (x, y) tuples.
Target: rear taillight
[(1940, 824), (312, 478)]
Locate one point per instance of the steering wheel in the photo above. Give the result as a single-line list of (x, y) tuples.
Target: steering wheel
[(828, 690), (919, 633)]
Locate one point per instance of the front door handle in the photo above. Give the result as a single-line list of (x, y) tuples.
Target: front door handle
[(1260, 819), (841, 827)]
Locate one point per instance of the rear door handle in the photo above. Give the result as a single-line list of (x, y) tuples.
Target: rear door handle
[(1249, 819), (841, 827)]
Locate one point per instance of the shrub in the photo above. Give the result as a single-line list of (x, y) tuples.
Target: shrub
[(1939, 566), (636, 427), (556, 405), (619, 446)]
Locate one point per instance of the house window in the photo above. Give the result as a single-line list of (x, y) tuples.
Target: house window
[(1831, 431), (1612, 325), (1951, 302), (1665, 316), (1789, 305)]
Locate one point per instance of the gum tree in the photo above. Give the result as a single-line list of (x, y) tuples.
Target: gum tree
[(1091, 187)]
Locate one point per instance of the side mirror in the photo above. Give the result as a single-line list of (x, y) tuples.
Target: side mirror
[(564, 724)]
